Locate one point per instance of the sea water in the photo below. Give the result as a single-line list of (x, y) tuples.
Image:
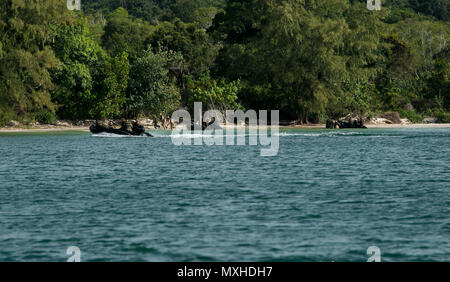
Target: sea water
[(326, 196)]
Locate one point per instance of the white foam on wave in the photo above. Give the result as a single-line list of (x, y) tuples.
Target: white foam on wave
[(309, 134), (112, 135), (280, 134), (196, 135)]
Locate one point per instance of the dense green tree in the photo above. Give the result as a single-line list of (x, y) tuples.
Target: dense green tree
[(145, 9), (187, 10), (123, 33), (152, 89), (301, 52), (198, 50), (437, 8), (438, 84), (397, 83), (203, 17), (154, 10), (411, 63), (308, 58), (90, 84), (96, 22), (214, 94), (26, 58)]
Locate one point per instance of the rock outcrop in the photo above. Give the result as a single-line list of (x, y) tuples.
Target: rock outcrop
[(430, 120), (394, 117), (13, 123), (348, 121)]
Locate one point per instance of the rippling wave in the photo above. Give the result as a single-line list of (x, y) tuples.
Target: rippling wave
[(327, 196)]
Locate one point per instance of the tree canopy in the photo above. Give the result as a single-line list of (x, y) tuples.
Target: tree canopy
[(311, 59)]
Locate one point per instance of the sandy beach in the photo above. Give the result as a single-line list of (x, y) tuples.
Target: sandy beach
[(378, 125), (309, 126), (44, 129), (410, 125)]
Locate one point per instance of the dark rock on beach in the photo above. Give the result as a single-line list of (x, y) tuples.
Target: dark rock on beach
[(346, 122), (394, 117)]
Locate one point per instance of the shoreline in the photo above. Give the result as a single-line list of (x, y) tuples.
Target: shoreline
[(410, 125), (308, 126), (375, 125), (44, 129)]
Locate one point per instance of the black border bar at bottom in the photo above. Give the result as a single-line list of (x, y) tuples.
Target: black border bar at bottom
[(226, 271)]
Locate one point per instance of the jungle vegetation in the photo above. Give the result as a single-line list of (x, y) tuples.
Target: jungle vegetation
[(310, 59)]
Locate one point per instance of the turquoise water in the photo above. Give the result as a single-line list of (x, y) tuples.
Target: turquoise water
[(327, 196)]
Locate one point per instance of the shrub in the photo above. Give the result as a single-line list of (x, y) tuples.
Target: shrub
[(45, 117), (442, 116), (215, 94), (411, 115), (6, 115)]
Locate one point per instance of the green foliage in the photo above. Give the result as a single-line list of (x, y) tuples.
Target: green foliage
[(301, 49), (26, 59), (154, 11), (96, 23), (214, 95), (144, 9), (123, 33), (194, 43), (186, 10), (411, 115), (90, 84), (110, 84), (308, 58), (442, 116), (44, 117), (6, 114), (360, 98), (438, 84), (203, 17), (437, 8), (152, 89)]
